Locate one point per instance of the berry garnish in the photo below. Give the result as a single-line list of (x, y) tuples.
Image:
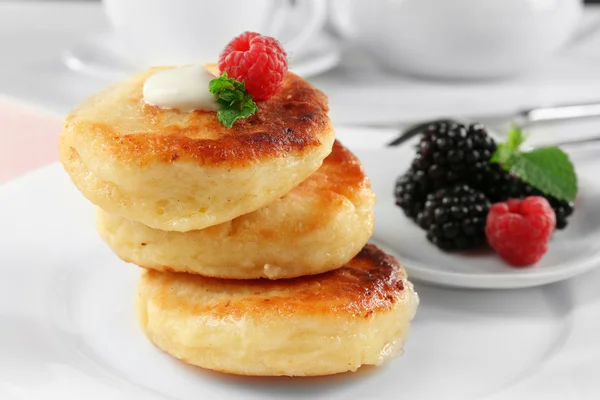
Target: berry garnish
[(258, 61), (454, 218), (452, 153), (519, 230)]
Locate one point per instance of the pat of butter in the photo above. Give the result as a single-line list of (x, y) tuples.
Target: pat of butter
[(182, 88)]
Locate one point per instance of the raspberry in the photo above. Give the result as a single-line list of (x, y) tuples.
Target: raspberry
[(259, 61), (500, 185), (519, 230)]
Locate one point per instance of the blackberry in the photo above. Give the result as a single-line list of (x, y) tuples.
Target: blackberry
[(411, 190), (562, 209), (454, 217), (453, 153), (447, 154)]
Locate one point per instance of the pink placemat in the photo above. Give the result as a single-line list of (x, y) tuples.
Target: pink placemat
[(28, 138)]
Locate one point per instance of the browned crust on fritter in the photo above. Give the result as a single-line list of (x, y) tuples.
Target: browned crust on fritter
[(341, 173), (293, 121), (371, 282)]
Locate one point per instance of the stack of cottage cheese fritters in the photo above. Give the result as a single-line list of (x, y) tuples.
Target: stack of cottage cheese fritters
[(252, 239)]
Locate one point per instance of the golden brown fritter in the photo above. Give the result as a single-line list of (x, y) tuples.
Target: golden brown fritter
[(314, 325), (316, 227), (179, 171)]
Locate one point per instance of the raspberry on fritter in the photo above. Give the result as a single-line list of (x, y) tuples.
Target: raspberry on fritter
[(410, 192), (259, 61), (519, 230), (454, 218)]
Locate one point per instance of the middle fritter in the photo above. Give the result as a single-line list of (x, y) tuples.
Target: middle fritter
[(317, 227)]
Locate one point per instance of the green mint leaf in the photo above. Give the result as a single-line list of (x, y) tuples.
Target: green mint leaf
[(235, 101), (227, 115), (548, 170), (222, 83), (502, 154), (229, 97), (515, 138), (505, 151)]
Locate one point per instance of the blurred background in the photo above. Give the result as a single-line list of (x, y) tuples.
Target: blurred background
[(384, 63)]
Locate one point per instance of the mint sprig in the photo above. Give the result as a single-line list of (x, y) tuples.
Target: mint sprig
[(548, 169), (234, 99)]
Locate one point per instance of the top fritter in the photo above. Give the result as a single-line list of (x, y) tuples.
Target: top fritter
[(176, 170)]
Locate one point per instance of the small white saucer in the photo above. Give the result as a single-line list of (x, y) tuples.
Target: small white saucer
[(103, 56), (571, 251)]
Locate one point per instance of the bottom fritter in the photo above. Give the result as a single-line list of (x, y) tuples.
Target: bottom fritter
[(314, 325)]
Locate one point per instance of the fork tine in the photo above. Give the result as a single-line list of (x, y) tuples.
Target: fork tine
[(415, 130)]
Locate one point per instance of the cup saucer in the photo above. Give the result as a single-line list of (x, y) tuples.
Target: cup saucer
[(103, 56)]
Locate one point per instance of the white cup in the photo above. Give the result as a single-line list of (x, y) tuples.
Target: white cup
[(163, 32), (458, 39)]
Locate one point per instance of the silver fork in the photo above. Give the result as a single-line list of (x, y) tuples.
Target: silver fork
[(522, 118)]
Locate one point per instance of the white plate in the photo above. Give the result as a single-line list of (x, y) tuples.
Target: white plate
[(571, 251), (103, 56), (68, 332)]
